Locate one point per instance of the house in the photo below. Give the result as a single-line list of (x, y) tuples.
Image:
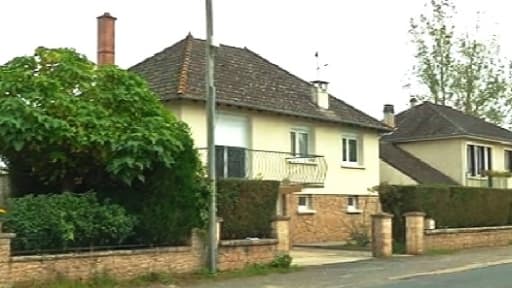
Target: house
[(273, 125), (436, 144)]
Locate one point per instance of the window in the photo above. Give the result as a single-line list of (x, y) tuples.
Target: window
[(350, 150), (230, 162), (508, 160), (353, 204), (479, 159), (300, 142), (305, 204)]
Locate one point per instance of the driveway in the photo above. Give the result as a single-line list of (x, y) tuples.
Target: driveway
[(303, 256), (400, 271)]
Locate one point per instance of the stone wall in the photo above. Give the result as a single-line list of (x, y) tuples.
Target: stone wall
[(460, 238), (330, 220), (125, 264)]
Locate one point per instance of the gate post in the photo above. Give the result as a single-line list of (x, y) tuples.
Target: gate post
[(382, 239), (414, 232), (5, 257)]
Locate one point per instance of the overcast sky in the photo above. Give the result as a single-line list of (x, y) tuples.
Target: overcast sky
[(364, 42)]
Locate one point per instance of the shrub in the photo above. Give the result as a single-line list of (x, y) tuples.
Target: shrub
[(282, 261), (57, 221), (247, 207), (449, 206)]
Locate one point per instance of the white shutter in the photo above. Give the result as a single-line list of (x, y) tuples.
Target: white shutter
[(231, 130)]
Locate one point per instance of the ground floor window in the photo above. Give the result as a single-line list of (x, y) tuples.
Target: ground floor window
[(305, 203), (353, 204)]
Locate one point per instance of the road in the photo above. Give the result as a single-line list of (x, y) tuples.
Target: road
[(490, 267), (490, 277)]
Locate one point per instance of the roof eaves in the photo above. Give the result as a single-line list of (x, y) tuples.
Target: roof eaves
[(279, 111)]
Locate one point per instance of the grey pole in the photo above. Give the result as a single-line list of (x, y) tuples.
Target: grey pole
[(210, 106)]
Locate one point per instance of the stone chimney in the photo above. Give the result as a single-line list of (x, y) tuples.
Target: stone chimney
[(389, 115), (106, 39), (319, 94)]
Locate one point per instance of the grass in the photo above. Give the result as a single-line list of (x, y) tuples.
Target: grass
[(435, 252), (102, 280), (157, 279)]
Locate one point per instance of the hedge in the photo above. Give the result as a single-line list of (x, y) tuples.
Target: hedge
[(60, 221), (247, 207), (449, 206)]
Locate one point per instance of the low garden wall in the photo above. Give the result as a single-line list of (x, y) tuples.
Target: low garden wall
[(459, 238), (125, 264)]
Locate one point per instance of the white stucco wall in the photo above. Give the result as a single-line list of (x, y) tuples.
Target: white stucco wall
[(268, 131)]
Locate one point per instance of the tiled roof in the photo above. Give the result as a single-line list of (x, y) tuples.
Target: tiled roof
[(430, 121), (244, 79), (412, 166)]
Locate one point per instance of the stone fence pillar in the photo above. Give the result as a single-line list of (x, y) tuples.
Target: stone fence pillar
[(382, 238), (5, 255), (281, 231), (414, 232)]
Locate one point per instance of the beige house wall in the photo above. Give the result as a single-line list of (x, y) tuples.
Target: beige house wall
[(271, 132), (390, 175), (447, 156)]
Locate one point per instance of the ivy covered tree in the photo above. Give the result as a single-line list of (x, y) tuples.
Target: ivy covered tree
[(460, 71), (71, 124)]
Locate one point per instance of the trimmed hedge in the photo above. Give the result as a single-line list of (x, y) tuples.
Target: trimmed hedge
[(449, 206), (247, 207)]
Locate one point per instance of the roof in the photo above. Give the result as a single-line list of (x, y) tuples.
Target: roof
[(244, 79), (432, 121), (411, 166)]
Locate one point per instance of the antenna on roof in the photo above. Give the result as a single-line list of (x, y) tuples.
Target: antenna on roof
[(318, 66)]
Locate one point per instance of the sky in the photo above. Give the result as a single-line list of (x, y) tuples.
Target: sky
[(365, 43)]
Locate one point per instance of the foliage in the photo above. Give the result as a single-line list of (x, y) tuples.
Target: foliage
[(460, 71), (449, 206), (67, 124), (58, 221), (282, 261), (247, 207)]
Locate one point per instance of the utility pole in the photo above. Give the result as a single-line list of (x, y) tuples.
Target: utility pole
[(210, 107)]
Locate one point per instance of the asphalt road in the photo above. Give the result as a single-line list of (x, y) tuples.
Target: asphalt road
[(482, 268), (498, 276)]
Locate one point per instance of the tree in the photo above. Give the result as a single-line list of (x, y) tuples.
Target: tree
[(459, 71), (70, 125)]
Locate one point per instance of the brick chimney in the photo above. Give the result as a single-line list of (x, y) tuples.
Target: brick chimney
[(106, 39), (389, 115)]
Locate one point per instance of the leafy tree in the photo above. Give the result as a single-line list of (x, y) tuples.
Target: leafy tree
[(70, 125), (457, 70)]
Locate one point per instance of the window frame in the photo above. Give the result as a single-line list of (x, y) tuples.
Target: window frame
[(346, 152), (307, 207), (354, 206), (480, 162), (295, 146), (508, 159)]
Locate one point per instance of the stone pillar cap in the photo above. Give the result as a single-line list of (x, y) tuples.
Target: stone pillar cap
[(382, 215), (415, 213)]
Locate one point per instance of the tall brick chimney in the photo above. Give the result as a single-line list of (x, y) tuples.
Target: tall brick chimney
[(106, 39), (389, 115)]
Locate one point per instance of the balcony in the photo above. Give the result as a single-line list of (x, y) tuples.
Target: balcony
[(237, 162)]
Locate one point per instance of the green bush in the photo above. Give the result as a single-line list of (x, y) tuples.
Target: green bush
[(449, 206), (58, 221), (282, 261), (247, 207)]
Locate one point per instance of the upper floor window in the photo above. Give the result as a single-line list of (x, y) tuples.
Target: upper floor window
[(351, 150), (479, 159), (508, 160), (300, 142)]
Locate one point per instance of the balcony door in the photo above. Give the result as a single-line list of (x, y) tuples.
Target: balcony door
[(231, 141)]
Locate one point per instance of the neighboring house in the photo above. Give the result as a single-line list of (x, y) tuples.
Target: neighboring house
[(435, 144), (273, 125)]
